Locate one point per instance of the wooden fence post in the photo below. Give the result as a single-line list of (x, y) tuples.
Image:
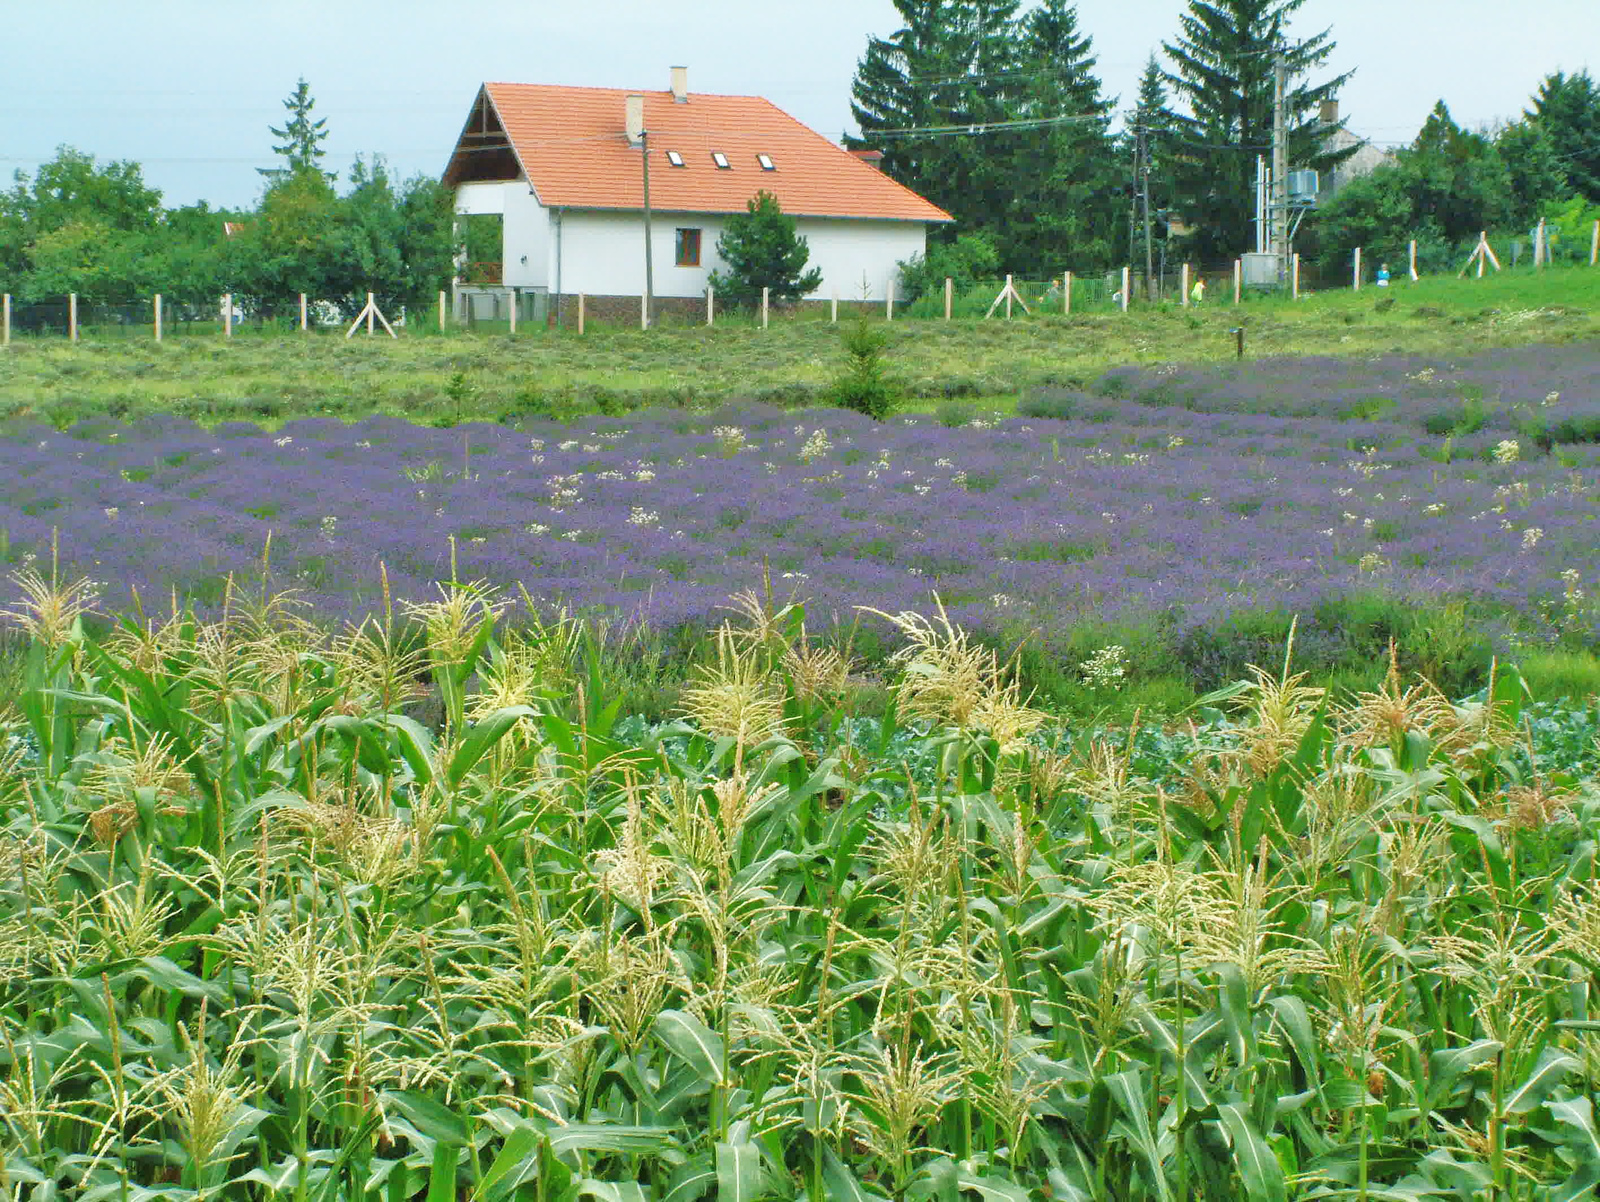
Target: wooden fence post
[(158, 317), (303, 323), (1594, 245), (949, 296), (1127, 282), (1185, 285), (72, 316), (441, 310), (766, 296), (889, 302), (711, 305), (514, 299), (1066, 295), (835, 314), (1483, 240), (1356, 272), (5, 320), (227, 315), (1238, 279), (1539, 245), (371, 309), (1413, 267), (644, 311), (580, 312), (1294, 277)]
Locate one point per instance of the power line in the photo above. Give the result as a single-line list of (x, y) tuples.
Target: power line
[(978, 128)]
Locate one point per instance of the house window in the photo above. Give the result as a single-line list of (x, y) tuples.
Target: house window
[(688, 248), (766, 162), (721, 160), (674, 158)]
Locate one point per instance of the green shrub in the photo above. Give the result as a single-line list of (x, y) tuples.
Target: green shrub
[(866, 386), (1050, 403)]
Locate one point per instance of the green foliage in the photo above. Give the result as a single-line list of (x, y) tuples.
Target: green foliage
[(305, 237), (762, 250), (1567, 110), (1038, 189), (1444, 189), (866, 386), (302, 138), (970, 258), (76, 223), (1223, 71), (268, 935)]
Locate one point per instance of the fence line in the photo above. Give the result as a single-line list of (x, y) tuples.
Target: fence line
[(164, 317)]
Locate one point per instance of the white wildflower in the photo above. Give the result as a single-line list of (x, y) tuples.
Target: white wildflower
[(1105, 669)]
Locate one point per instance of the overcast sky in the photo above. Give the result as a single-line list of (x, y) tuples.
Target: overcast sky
[(188, 88)]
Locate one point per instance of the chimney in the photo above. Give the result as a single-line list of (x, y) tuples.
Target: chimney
[(635, 112), (680, 85), (1330, 112), (872, 158)]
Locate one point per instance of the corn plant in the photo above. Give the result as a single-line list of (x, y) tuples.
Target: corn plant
[(266, 934)]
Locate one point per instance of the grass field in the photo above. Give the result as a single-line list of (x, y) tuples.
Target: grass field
[(280, 375)]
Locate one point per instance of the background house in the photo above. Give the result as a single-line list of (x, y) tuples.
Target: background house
[(1366, 159), (557, 167)]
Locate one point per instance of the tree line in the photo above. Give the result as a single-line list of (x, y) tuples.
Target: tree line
[(102, 232), (994, 110)]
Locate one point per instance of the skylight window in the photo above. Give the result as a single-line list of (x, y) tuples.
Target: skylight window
[(674, 158), (721, 160), (766, 162)]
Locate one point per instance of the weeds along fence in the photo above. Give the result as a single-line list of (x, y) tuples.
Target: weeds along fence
[(1009, 298)]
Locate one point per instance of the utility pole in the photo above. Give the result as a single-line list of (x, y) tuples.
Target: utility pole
[(649, 259), (1280, 165), (1144, 191)]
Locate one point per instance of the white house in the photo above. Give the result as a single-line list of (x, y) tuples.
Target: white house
[(564, 170)]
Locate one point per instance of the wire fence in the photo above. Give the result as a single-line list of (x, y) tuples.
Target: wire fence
[(71, 317)]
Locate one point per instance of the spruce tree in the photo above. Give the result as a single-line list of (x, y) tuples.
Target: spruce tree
[(951, 68), (762, 250), (1567, 108), (1224, 59), (1063, 209), (302, 138)]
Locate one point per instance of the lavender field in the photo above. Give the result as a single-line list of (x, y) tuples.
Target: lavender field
[(1167, 496)]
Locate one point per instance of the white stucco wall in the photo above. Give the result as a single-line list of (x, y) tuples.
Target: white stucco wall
[(479, 199), (527, 239), (859, 258), (525, 230), (602, 253)]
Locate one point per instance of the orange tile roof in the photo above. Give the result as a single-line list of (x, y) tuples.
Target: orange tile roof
[(573, 146)]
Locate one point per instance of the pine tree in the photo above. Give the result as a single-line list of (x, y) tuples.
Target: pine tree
[(1567, 108), (1224, 73), (1063, 208), (1149, 138), (302, 137), (951, 68), (762, 250)]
